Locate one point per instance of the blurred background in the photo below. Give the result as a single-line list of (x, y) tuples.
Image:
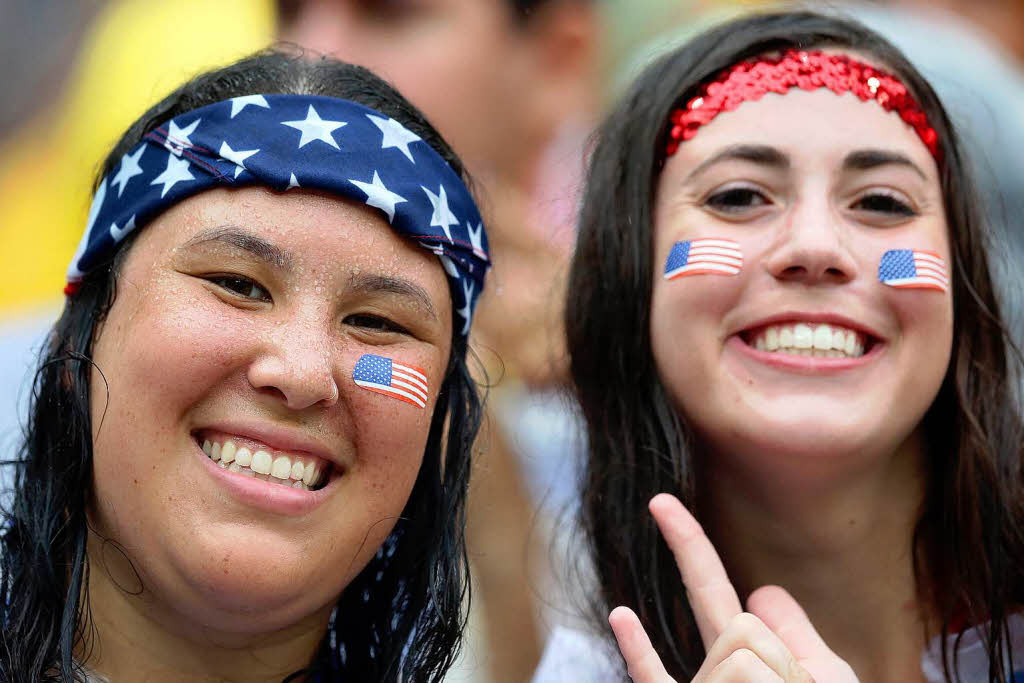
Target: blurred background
[(517, 87)]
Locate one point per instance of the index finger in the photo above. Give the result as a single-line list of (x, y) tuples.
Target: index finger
[(711, 594)]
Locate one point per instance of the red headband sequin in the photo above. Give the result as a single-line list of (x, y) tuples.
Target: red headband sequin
[(750, 80)]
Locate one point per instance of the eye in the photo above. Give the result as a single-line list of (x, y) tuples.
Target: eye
[(885, 203), (736, 200), (375, 323), (241, 286)]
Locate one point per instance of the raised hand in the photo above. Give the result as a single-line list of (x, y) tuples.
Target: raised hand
[(773, 641)]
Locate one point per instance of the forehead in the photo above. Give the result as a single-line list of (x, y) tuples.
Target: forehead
[(811, 127)]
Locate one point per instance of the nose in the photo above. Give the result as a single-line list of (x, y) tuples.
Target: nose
[(811, 248), (298, 368)]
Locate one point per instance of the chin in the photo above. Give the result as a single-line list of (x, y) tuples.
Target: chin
[(251, 586), (818, 435)]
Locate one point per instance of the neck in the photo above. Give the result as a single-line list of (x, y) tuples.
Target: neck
[(841, 545), (134, 637)]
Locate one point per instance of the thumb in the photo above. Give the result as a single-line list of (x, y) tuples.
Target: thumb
[(782, 614)]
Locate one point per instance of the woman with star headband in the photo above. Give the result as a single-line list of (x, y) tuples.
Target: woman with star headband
[(249, 438), (786, 345)]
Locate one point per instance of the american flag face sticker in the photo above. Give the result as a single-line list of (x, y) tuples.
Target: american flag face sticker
[(913, 269), (703, 257), (388, 377)]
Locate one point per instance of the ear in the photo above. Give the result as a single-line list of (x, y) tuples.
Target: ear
[(564, 34)]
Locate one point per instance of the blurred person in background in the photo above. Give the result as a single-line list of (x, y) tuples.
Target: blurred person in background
[(1002, 20), (38, 39), (510, 83)]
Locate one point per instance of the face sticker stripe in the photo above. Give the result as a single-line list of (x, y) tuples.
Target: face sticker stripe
[(913, 269), (703, 257), (388, 377)]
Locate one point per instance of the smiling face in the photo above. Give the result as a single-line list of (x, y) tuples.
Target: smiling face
[(239, 320), (804, 351)]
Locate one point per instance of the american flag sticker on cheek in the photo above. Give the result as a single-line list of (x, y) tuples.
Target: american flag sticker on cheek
[(913, 269), (703, 257), (391, 378)]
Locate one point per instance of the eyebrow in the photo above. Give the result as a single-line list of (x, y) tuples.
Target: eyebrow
[(758, 154), (373, 283), (364, 283), (866, 159), (237, 237)]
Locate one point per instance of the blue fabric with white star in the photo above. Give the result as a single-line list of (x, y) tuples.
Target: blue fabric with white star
[(296, 141)]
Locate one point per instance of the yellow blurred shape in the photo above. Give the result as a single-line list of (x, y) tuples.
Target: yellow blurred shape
[(136, 52)]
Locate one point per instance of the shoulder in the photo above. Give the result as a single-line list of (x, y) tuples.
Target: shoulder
[(576, 656)]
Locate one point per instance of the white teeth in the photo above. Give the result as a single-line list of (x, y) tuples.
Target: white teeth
[(838, 338), (823, 337), (282, 467), (802, 339), (786, 337), (244, 457), (261, 462), (312, 474)]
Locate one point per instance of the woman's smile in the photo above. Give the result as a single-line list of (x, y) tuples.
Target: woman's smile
[(257, 469), (808, 343)]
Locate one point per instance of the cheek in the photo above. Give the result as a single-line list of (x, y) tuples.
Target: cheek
[(390, 427), (175, 348), (687, 333), (159, 356), (926, 326)]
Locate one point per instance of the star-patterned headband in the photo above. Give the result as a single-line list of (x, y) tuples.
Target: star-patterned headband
[(287, 141), (807, 70)]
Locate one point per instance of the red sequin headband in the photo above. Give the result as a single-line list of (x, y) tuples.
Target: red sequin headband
[(751, 80)]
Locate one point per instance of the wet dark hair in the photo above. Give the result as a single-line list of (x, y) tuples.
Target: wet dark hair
[(969, 541), (410, 597)]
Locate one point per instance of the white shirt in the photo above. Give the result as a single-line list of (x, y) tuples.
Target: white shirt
[(576, 657)]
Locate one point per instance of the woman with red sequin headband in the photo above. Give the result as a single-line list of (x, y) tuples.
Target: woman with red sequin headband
[(788, 352)]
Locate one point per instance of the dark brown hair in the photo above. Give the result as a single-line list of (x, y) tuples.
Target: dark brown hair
[(969, 541)]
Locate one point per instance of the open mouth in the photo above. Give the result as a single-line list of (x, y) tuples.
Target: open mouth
[(295, 470), (820, 340)]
